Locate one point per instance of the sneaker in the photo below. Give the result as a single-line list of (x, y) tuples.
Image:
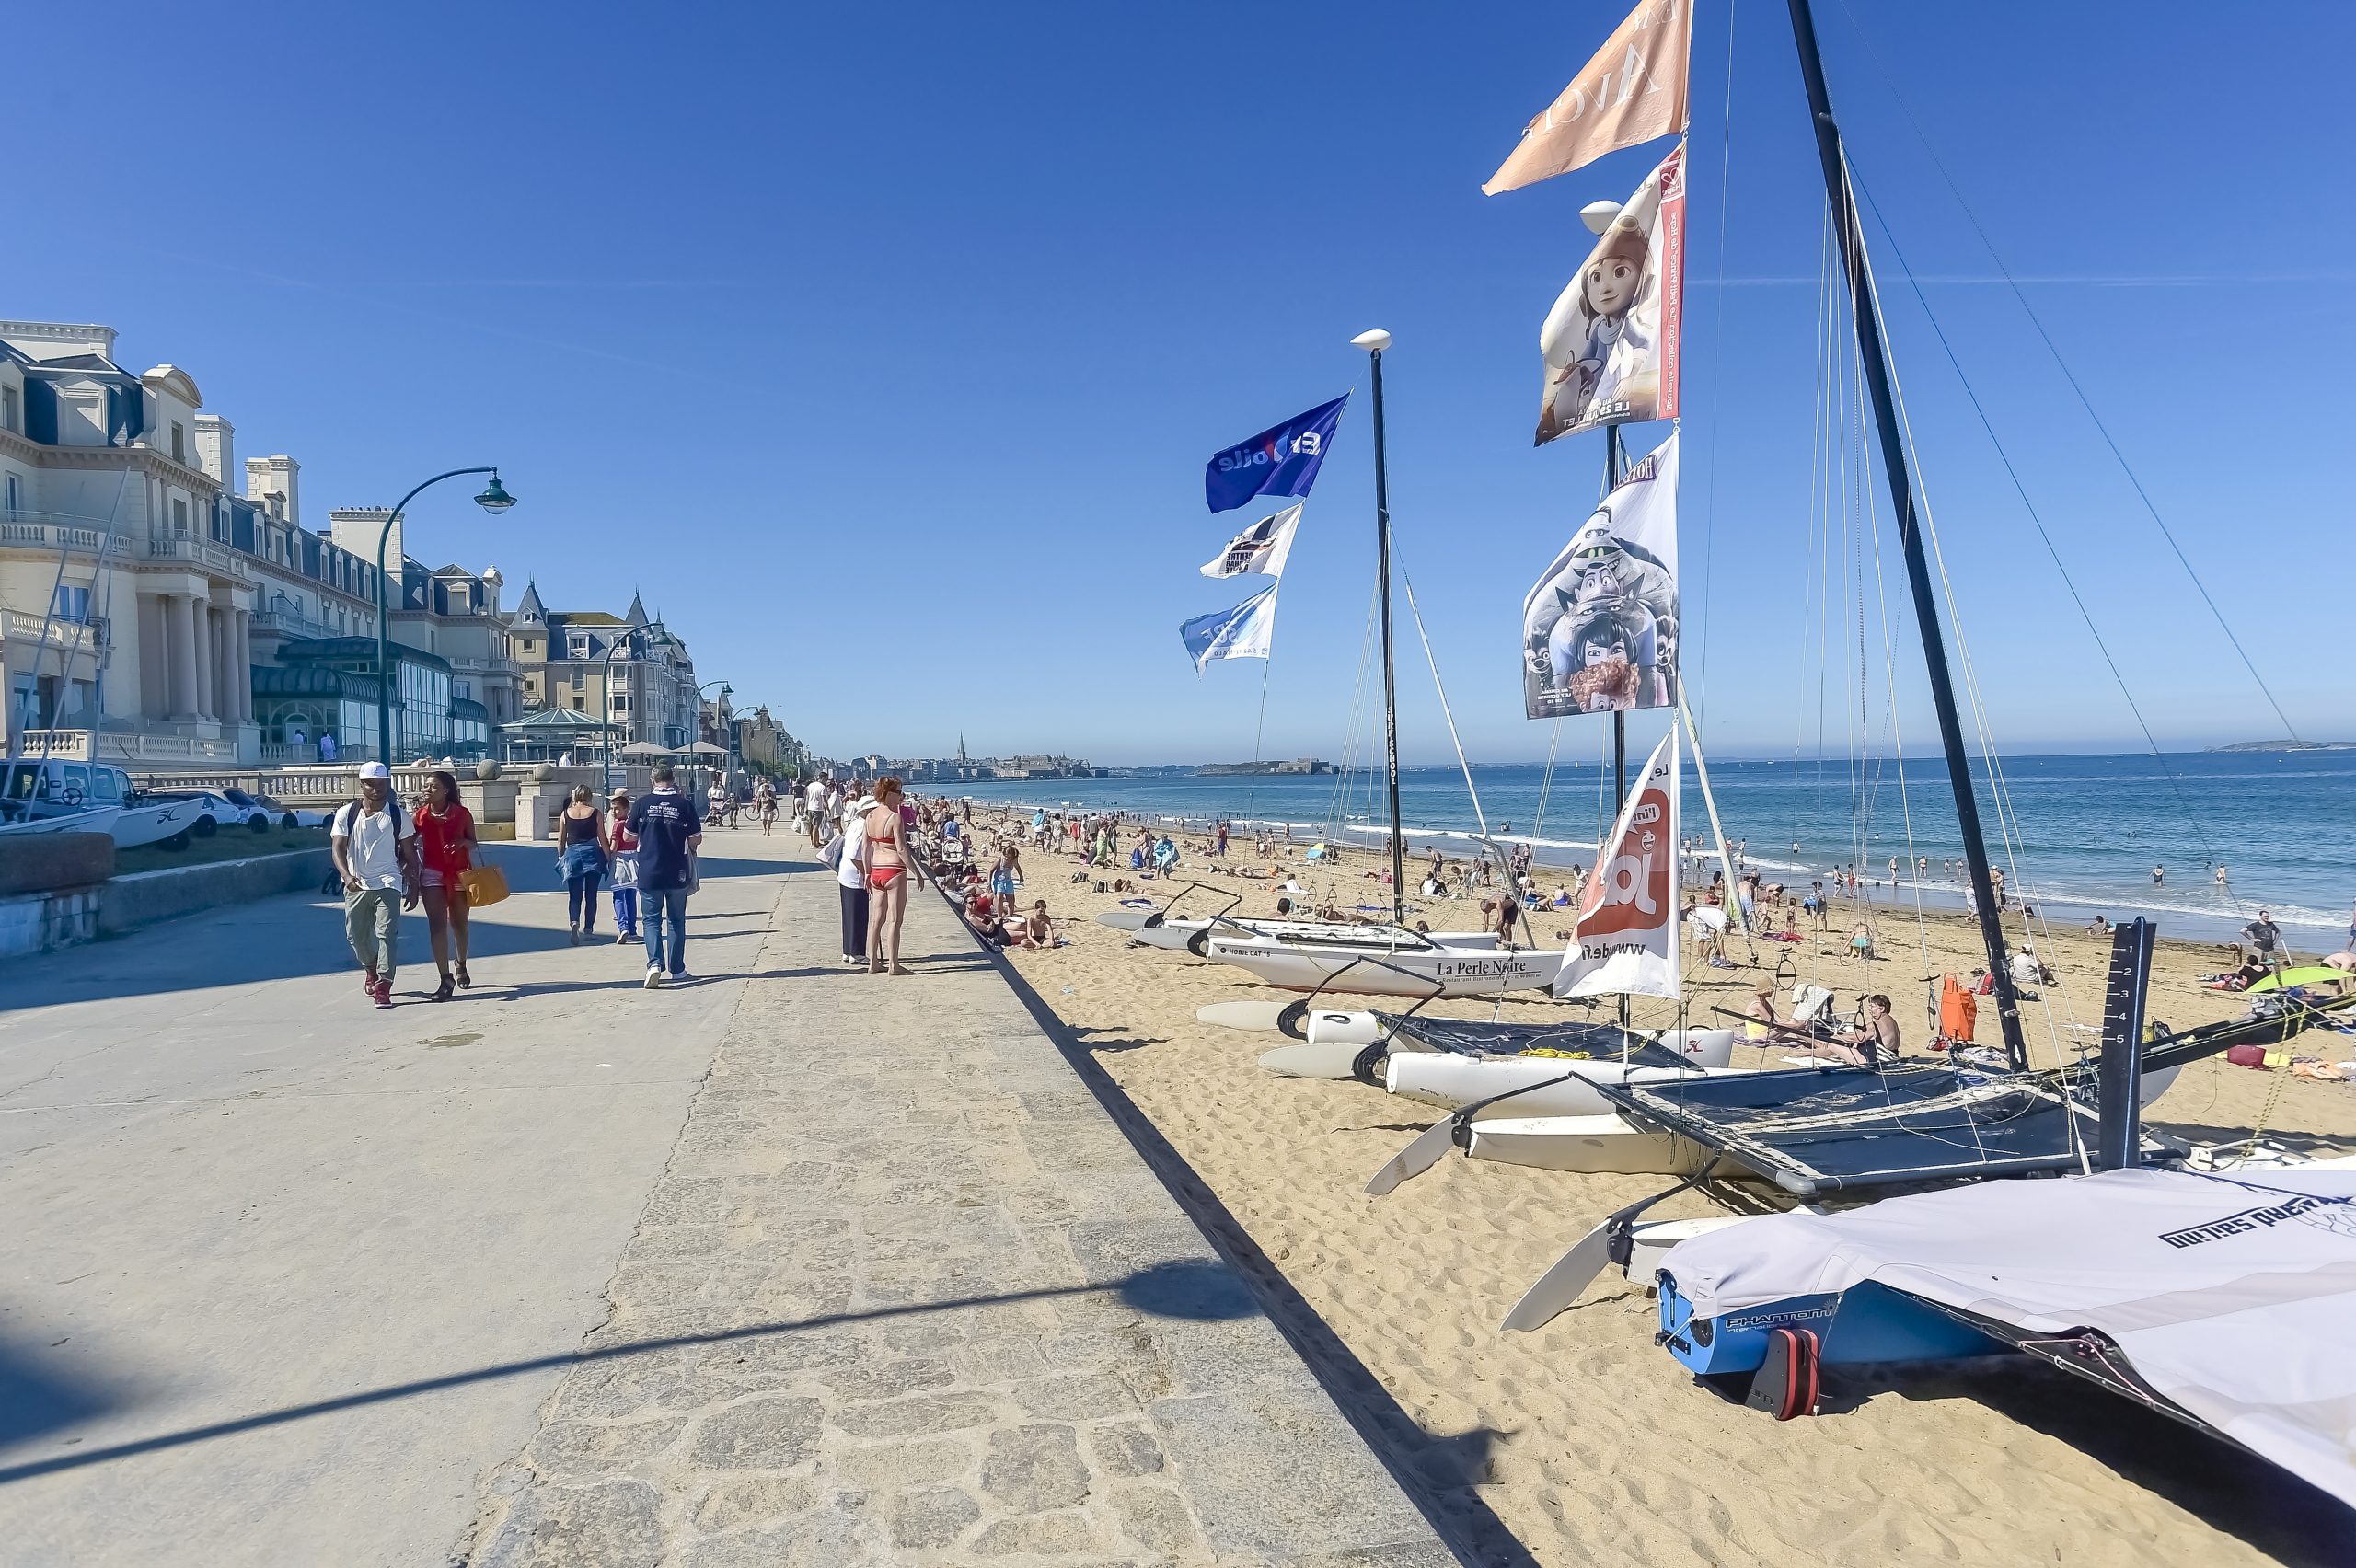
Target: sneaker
[(383, 993), (622, 937), (368, 982), (653, 976), (680, 977)]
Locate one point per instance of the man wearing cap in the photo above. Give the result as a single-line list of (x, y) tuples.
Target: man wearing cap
[(375, 846)]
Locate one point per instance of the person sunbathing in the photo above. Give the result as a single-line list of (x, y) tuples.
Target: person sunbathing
[(1031, 930)]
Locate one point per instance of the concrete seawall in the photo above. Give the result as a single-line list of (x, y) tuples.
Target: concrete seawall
[(145, 897)]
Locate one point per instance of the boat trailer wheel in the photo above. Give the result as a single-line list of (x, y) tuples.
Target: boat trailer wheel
[(1293, 1020)]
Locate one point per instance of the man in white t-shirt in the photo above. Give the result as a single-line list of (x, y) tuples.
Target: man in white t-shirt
[(375, 846)]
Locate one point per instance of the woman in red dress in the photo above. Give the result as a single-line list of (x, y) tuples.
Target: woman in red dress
[(445, 842)]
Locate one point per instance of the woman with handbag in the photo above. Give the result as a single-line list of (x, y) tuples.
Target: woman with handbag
[(582, 852), (625, 845), (445, 841)]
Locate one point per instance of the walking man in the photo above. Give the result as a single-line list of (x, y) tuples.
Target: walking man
[(374, 847), (668, 832)]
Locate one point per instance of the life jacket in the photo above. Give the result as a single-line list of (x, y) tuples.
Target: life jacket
[(1959, 1010)]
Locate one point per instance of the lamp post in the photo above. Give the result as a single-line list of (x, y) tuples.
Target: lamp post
[(606, 695), (1374, 343), (494, 501)]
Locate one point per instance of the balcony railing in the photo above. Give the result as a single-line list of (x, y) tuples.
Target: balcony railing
[(23, 625), (199, 552), (50, 531)]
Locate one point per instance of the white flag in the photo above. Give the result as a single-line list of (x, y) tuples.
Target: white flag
[(1626, 943), (1262, 547), (1246, 631)]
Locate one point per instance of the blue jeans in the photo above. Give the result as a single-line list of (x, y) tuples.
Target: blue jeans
[(581, 899), (626, 911), (657, 906)]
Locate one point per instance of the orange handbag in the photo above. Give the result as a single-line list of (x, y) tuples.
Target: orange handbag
[(482, 884)]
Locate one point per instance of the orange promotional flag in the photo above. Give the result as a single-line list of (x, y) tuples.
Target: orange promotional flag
[(1633, 91)]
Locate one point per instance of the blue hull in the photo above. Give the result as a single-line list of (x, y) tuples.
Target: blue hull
[(1868, 1323)]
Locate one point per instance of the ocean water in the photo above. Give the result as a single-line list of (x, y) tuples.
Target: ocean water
[(2080, 834)]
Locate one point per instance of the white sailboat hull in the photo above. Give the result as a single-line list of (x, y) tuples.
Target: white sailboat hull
[(1437, 1079), (1603, 1145), (96, 820), (1181, 936), (1379, 971)]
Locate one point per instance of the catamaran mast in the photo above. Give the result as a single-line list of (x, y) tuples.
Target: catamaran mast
[(1619, 718), (1867, 312), (1618, 715), (1375, 342)]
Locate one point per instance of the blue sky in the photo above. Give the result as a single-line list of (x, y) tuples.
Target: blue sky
[(882, 349)]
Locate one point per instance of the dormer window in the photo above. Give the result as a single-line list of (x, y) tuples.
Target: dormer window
[(179, 443)]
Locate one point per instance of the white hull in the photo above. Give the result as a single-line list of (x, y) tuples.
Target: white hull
[(96, 820), (135, 826), (1375, 970), (1185, 936), (1451, 1080), (1593, 1144)]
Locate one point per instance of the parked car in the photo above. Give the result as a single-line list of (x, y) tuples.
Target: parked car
[(284, 815), (216, 810)]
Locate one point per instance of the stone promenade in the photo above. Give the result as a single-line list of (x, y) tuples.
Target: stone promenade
[(791, 1266)]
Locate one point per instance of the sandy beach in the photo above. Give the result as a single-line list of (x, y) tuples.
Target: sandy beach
[(1584, 1441)]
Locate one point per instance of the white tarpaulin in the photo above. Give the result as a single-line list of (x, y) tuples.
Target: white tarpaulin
[(2232, 1298)]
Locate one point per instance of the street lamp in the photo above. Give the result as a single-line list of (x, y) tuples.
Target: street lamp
[(1374, 343), (606, 695), (494, 500)]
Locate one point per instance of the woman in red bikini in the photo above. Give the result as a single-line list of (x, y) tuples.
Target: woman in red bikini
[(446, 837), (889, 868)]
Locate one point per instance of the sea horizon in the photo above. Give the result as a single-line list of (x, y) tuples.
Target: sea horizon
[(2076, 834)]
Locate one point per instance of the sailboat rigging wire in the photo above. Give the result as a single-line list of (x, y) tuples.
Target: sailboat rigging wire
[(1717, 361), (1453, 739), (1337, 814), (1889, 85), (2191, 818), (2007, 820), (1546, 784)]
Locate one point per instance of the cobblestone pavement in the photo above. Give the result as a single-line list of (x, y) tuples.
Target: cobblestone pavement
[(905, 1295)]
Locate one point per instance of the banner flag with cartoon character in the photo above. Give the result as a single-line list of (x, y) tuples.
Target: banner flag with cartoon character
[(1263, 547), (1633, 91), (1625, 941), (1247, 631), (1282, 460), (1611, 343), (1598, 632)]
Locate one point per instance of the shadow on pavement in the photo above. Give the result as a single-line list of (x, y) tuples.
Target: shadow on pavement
[(33, 1402), (1200, 1291)]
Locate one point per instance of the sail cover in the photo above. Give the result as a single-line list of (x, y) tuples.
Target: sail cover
[(1626, 943), (2229, 1298)]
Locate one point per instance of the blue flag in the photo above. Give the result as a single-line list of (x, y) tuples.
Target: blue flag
[(1246, 631), (1282, 461)]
